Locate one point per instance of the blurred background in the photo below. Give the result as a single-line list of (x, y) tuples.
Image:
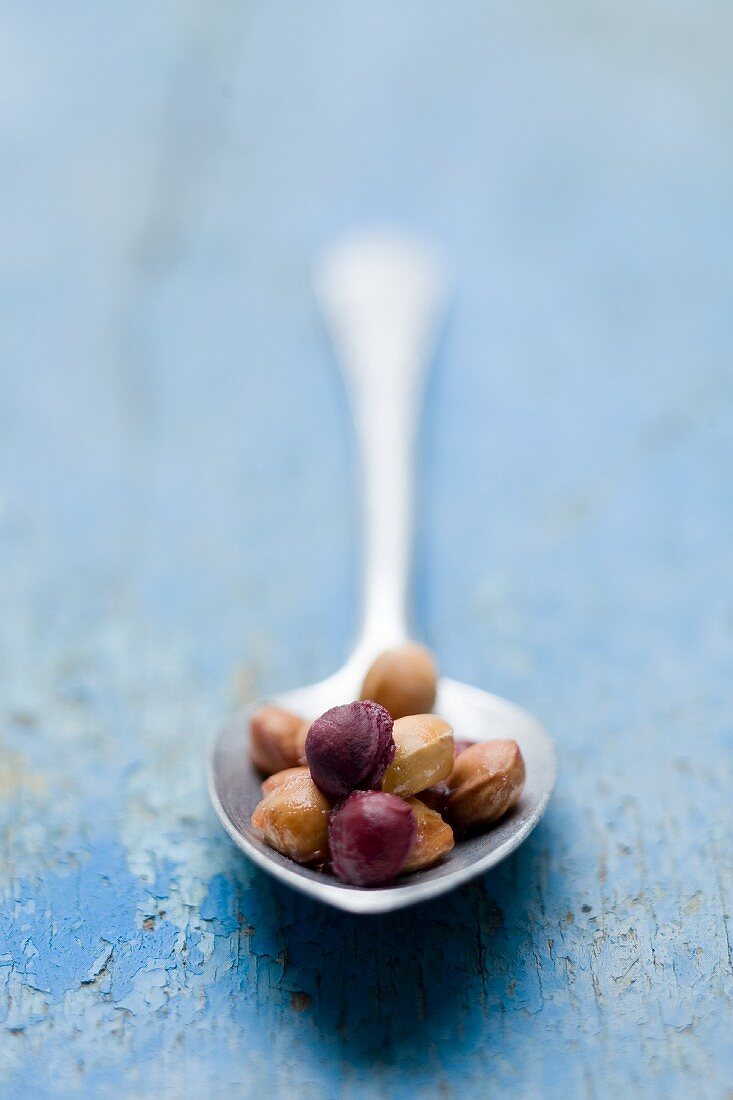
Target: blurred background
[(179, 523)]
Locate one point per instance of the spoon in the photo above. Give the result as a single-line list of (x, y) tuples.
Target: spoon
[(381, 294)]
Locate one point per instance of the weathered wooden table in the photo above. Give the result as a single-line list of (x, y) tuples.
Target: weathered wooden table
[(178, 532)]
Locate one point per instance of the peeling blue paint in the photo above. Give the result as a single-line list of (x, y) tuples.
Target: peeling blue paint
[(219, 907), (164, 874), (46, 933)]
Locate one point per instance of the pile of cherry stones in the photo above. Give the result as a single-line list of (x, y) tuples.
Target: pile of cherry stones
[(379, 787)]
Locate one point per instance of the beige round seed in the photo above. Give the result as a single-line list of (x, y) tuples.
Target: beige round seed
[(423, 754), (403, 680), (293, 819), (284, 776), (434, 837), (486, 781), (277, 739)]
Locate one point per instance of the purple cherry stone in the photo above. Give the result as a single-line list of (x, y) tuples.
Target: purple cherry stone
[(370, 837), (349, 748)]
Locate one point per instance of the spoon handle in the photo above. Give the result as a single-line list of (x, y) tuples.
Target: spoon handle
[(380, 294)]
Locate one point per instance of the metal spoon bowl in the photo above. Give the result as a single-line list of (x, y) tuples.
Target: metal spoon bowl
[(235, 791), (380, 295)]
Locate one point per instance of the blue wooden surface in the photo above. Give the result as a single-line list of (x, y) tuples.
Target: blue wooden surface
[(177, 533)]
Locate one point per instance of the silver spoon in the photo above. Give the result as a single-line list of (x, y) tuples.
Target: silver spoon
[(380, 295)]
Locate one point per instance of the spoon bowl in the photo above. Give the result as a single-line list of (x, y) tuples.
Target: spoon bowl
[(475, 715), (380, 296)]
